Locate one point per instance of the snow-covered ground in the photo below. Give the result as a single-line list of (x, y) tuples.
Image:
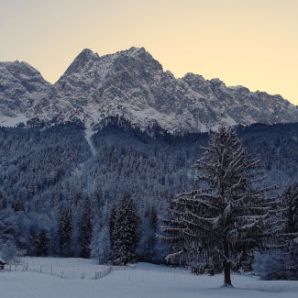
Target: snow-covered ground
[(141, 281)]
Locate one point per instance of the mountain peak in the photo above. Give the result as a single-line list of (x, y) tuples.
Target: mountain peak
[(87, 53), (139, 55), (20, 67), (84, 57), (136, 51)]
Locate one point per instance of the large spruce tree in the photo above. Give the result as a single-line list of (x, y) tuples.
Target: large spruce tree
[(218, 226)]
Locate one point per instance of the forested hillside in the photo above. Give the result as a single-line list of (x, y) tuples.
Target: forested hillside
[(47, 176)]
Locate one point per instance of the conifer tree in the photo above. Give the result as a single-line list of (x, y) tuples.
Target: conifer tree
[(220, 223), (42, 243), (291, 229), (291, 202), (65, 231), (124, 226), (85, 230), (281, 262)]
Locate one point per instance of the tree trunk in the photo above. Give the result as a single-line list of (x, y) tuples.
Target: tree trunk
[(227, 265), (227, 275)]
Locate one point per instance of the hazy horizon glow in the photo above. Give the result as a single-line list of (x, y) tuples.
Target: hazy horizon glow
[(252, 43)]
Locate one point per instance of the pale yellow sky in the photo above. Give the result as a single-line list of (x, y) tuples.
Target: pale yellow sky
[(249, 42)]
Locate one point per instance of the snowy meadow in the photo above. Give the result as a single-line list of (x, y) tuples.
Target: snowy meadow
[(142, 280)]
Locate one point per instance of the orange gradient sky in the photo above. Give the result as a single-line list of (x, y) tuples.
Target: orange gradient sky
[(243, 42)]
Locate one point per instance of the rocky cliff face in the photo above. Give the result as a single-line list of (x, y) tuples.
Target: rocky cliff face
[(132, 85)]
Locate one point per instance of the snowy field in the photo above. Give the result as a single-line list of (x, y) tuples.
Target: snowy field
[(65, 268), (39, 280)]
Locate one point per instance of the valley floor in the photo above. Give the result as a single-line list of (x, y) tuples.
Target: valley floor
[(77, 278)]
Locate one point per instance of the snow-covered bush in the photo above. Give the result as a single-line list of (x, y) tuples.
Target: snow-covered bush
[(8, 251)]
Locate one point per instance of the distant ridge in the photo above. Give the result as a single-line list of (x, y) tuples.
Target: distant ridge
[(132, 85)]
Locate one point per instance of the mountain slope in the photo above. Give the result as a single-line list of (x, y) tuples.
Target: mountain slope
[(132, 85), (44, 169)]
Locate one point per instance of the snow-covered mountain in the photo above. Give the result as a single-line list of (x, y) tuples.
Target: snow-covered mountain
[(25, 95), (131, 84)]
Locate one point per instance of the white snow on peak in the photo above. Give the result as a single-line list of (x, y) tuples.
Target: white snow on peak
[(131, 84)]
